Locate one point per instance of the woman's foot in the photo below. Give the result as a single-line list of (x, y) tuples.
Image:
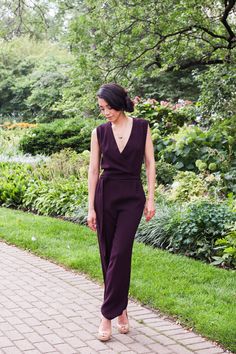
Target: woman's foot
[(104, 331), (123, 322)]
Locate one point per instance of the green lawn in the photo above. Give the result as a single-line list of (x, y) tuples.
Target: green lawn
[(201, 296)]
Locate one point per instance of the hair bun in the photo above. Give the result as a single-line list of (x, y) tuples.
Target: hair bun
[(129, 104)]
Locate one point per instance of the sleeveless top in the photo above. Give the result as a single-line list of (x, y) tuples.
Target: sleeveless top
[(129, 161)]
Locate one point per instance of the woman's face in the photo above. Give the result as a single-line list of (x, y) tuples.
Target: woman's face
[(109, 113)]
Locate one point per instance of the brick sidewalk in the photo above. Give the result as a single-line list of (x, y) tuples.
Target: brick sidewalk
[(47, 309)]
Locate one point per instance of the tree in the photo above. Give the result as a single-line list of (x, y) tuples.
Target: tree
[(147, 34), (32, 76), (133, 41), (37, 19)]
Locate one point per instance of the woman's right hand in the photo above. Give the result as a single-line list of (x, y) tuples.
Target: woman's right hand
[(91, 220)]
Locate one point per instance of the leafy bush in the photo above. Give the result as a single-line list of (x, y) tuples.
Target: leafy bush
[(14, 180), (189, 229), (199, 227), (226, 249), (155, 232), (165, 172), (167, 117), (58, 135), (187, 186), (58, 197), (9, 141), (64, 164), (194, 148), (80, 214), (58, 190)]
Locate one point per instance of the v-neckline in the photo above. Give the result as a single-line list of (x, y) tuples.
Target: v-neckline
[(131, 132)]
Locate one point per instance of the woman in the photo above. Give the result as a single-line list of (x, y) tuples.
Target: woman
[(116, 197)]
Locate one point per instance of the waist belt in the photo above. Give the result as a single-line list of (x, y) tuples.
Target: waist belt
[(120, 176)]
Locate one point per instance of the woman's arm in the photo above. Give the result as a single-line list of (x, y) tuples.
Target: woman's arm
[(93, 175), (149, 210)]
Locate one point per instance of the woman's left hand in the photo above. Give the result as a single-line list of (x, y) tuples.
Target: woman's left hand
[(149, 209)]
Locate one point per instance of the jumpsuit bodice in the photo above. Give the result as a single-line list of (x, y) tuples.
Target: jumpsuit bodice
[(129, 161)]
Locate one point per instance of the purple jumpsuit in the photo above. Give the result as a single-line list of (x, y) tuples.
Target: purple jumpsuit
[(119, 203)]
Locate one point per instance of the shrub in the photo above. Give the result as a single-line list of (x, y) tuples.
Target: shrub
[(190, 229), (14, 179), (226, 249), (200, 226), (156, 232), (57, 190), (80, 214), (58, 197), (167, 117), (197, 149), (187, 186), (64, 164), (165, 172), (61, 134)]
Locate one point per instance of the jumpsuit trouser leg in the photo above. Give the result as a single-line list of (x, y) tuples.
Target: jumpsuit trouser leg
[(119, 228)]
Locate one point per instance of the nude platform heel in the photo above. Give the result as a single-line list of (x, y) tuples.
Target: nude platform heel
[(103, 335), (123, 328)]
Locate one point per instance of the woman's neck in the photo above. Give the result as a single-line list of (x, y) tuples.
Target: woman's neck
[(120, 121)]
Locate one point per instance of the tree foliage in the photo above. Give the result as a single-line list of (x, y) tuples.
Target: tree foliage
[(134, 42), (38, 19), (32, 77)]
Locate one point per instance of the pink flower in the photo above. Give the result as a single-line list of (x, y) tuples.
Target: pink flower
[(136, 99)]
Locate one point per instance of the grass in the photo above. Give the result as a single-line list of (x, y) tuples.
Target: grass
[(199, 295)]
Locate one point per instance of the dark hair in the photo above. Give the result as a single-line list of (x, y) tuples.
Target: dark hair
[(116, 96)]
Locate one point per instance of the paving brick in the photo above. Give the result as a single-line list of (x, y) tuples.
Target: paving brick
[(192, 340), (31, 321), (117, 346), (159, 349), (138, 348), (11, 350), (87, 350), (65, 349), (210, 351), (161, 338), (34, 337), (42, 329), (127, 339), (44, 347), (148, 331), (83, 335), (141, 338), (179, 349), (96, 344), (62, 332), (203, 345), (23, 344), (180, 336), (14, 320), (53, 339), (71, 326), (75, 342), (4, 326), (13, 335), (5, 342)]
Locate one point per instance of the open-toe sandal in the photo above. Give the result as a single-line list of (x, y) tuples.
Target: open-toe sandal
[(123, 328), (104, 335)]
